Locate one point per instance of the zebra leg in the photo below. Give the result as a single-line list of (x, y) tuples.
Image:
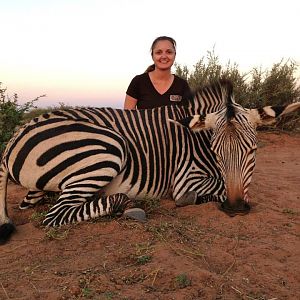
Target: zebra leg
[(198, 190), (6, 225), (191, 198), (31, 199), (210, 198), (80, 209)]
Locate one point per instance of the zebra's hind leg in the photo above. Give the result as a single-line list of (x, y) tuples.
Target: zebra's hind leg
[(79, 209), (31, 199)]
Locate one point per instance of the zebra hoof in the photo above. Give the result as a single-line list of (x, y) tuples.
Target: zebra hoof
[(25, 205), (189, 198), (137, 214)]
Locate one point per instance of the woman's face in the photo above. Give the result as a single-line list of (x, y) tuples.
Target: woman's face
[(163, 55)]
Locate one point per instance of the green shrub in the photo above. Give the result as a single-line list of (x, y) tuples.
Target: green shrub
[(209, 69), (256, 88), (11, 115)]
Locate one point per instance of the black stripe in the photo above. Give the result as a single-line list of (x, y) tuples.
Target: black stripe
[(104, 202), (150, 155), (46, 177), (91, 168), (92, 178), (53, 152), (73, 113), (103, 115), (29, 128)]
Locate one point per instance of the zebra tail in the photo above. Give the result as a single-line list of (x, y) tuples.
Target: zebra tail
[(6, 226)]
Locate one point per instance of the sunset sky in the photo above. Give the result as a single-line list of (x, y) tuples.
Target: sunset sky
[(85, 52)]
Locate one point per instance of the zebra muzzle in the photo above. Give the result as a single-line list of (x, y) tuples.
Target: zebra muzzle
[(239, 207)]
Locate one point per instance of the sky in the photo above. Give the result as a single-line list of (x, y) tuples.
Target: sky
[(85, 52)]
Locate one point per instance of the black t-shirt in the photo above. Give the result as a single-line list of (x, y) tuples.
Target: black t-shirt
[(142, 89)]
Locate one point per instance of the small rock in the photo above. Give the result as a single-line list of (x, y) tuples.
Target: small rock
[(135, 214)]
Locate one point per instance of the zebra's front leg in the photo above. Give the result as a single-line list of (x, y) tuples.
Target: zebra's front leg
[(206, 189), (191, 198), (210, 198), (31, 199), (80, 209)]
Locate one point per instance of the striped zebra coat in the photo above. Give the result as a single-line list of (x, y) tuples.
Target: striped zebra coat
[(99, 158)]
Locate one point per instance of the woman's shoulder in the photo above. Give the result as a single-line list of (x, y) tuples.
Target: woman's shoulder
[(137, 83), (179, 79), (143, 76)]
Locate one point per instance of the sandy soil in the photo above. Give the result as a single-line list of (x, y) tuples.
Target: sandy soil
[(195, 252)]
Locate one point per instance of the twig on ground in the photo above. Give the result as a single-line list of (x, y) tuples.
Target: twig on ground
[(235, 289), (7, 297), (40, 291), (155, 275), (234, 261), (34, 286), (251, 298), (229, 268)]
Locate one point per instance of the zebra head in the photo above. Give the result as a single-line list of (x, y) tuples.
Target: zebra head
[(234, 143)]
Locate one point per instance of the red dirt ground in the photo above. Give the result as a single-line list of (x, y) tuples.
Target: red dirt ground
[(194, 252)]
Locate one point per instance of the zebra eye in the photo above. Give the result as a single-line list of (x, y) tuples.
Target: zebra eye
[(252, 150)]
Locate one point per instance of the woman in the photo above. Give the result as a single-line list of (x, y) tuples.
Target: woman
[(158, 86)]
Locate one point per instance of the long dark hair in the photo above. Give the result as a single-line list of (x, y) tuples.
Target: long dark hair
[(158, 39)]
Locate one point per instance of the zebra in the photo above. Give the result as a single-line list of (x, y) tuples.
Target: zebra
[(99, 159)]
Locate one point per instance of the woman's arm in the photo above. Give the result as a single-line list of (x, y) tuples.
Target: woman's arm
[(130, 102)]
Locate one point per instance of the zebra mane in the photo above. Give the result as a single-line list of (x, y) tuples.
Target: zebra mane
[(213, 97), (231, 111)]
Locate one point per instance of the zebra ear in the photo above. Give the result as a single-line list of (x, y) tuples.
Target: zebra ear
[(197, 122), (268, 114)]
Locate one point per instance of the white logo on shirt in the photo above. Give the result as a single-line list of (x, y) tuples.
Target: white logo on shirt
[(175, 98)]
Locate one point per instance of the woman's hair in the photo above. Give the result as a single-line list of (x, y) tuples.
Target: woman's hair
[(150, 68), (158, 39)]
